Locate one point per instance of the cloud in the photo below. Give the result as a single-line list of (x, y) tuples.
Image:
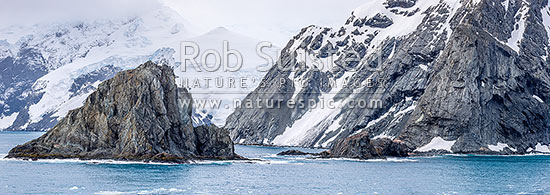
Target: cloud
[(267, 20), (24, 12), (276, 20)]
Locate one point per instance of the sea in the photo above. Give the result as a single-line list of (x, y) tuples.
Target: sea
[(272, 174)]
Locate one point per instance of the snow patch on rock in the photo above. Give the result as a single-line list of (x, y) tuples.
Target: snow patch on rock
[(403, 25), (538, 99), (542, 148), (437, 143), (6, 121), (423, 67), (517, 35), (500, 147), (546, 21)]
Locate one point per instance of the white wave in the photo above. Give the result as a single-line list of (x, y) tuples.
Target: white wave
[(498, 155), (86, 161), (392, 160), (261, 162), (536, 154), (291, 160), (368, 160), (431, 156), (214, 162), (519, 155), (274, 162), (299, 158), (456, 155), (271, 156), (120, 162), (153, 191)]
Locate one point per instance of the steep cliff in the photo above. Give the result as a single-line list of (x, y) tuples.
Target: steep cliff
[(459, 76), (139, 114), (360, 146)]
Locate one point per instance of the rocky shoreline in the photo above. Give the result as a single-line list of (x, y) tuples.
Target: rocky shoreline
[(360, 146)]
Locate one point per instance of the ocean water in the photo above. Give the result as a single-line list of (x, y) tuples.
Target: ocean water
[(451, 174)]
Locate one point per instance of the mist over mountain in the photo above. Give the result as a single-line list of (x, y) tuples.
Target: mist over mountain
[(51, 68), (55, 53), (31, 12)]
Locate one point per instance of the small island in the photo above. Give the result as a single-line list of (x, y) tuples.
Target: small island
[(359, 146), (138, 115)]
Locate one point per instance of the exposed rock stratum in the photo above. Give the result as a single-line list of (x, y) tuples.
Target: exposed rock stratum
[(461, 76), (139, 114)]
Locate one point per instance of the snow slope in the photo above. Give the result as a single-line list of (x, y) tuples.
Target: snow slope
[(76, 56), (404, 22), (251, 71)]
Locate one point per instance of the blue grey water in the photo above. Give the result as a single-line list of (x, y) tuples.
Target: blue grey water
[(277, 175)]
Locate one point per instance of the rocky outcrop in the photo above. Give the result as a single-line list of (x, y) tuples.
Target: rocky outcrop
[(300, 153), (362, 147), (213, 142), (400, 3), (139, 114), (359, 146), (379, 21), (444, 77)]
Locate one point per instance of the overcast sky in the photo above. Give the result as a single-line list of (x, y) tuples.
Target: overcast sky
[(271, 20), (276, 20), (26, 12)]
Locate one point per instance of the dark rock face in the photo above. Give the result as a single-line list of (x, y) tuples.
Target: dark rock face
[(395, 64), (17, 77), (457, 76), (83, 83), (400, 3), (294, 153), (139, 114), (362, 147), (201, 118), (379, 21), (359, 146), (35, 55), (213, 142)]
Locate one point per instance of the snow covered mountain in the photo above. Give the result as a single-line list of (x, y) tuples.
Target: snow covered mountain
[(49, 69), (218, 89), (450, 75)]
